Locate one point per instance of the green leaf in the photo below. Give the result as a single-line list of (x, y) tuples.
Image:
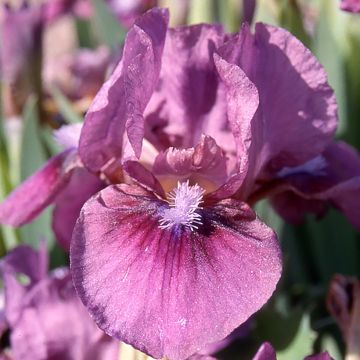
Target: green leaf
[(334, 245), (107, 27), (83, 29), (302, 343), (291, 19), (329, 47), (33, 156), (201, 11), (65, 107)]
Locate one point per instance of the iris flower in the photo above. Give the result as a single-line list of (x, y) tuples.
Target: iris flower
[(43, 316), (176, 258), (191, 129)]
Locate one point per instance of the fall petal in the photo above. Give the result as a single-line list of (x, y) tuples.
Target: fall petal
[(119, 105), (334, 178), (169, 292), (69, 202), (37, 192)]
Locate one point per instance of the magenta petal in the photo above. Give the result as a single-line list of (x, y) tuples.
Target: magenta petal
[(120, 103), (69, 202), (187, 93), (265, 352), (143, 177), (206, 159), (37, 192), (295, 98), (169, 292), (55, 325), (243, 102), (336, 181)]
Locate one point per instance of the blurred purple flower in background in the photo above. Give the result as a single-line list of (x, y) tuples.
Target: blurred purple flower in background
[(43, 316), (350, 5), (20, 55)]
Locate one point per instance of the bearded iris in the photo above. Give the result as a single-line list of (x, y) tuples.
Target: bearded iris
[(170, 256)]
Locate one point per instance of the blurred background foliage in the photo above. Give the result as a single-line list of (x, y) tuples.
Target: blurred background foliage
[(295, 321)]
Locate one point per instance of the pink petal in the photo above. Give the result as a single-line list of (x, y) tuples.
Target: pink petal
[(69, 202), (187, 94), (37, 192), (120, 103), (295, 98), (243, 102), (169, 292)]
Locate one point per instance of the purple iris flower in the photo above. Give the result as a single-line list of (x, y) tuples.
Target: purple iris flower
[(44, 317), (79, 75), (179, 260), (202, 123), (350, 5), (62, 181)]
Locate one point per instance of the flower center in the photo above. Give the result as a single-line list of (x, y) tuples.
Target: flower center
[(184, 201)]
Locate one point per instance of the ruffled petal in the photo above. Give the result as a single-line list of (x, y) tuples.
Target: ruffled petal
[(206, 160), (55, 325), (265, 352), (120, 103), (38, 191), (69, 202), (295, 98), (187, 94), (169, 292), (335, 180)]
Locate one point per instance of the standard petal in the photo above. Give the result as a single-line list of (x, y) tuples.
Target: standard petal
[(37, 192), (69, 202), (295, 98), (169, 292), (55, 325), (243, 103), (120, 103), (187, 93)]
